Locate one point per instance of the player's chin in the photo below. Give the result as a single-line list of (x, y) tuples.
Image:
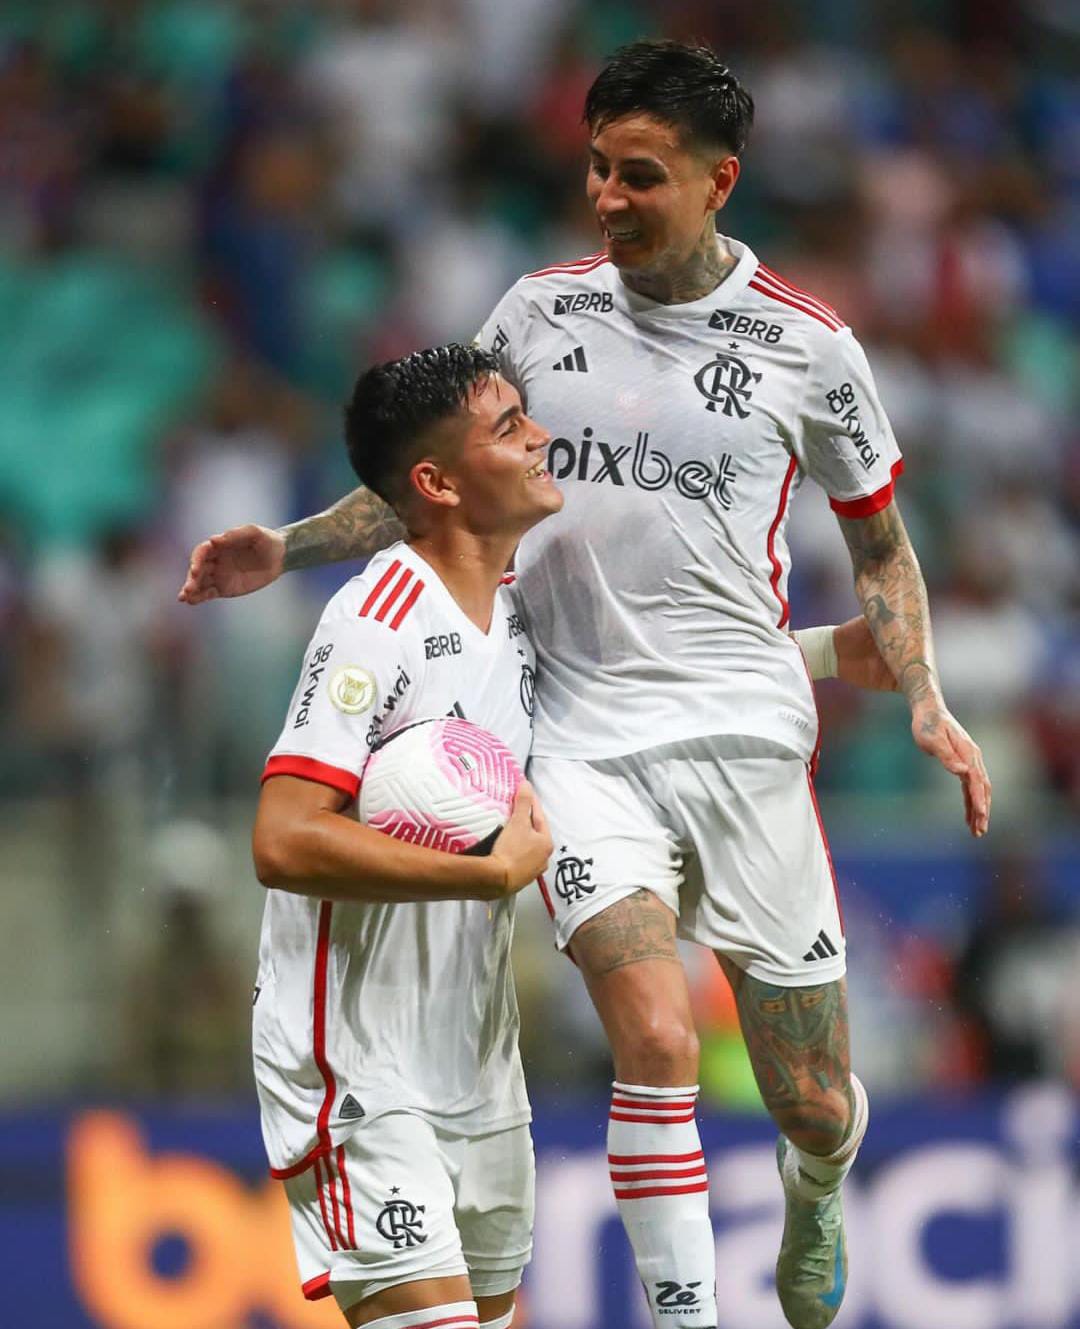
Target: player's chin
[(546, 494), (627, 255)]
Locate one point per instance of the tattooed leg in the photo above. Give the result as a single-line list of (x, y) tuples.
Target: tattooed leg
[(797, 1039), (635, 978)]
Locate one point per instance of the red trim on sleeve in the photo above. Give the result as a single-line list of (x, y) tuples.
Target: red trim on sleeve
[(317, 1288), (307, 768), (770, 544), (866, 507)]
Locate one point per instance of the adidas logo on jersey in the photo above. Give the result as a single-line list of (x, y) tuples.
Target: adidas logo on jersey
[(573, 361), (822, 948), (350, 1109), (599, 302)]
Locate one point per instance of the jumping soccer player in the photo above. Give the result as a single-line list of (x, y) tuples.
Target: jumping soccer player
[(689, 390), (385, 1025)]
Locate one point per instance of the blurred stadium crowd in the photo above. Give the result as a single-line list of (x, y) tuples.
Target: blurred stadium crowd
[(212, 213)]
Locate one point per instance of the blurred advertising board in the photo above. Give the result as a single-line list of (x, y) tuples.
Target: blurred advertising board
[(961, 1215)]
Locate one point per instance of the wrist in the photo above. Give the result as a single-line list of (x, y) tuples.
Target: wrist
[(483, 877), (919, 683), (818, 646)]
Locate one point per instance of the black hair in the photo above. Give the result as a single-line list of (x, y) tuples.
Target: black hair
[(394, 405), (685, 85)]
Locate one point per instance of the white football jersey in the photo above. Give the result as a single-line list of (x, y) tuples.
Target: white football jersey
[(361, 1009), (657, 598)]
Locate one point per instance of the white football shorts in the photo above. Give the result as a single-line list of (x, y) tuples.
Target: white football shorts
[(401, 1200), (724, 830)]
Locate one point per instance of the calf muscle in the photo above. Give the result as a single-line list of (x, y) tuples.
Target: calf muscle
[(798, 1043)]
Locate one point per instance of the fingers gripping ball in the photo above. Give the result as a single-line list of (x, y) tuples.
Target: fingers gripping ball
[(444, 783)]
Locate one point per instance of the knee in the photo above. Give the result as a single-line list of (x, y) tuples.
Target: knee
[(661, 1050), (817, 1121)]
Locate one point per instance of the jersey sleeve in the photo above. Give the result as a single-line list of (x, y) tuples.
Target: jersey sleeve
[(844, 440), (355, 674), (503, 334)]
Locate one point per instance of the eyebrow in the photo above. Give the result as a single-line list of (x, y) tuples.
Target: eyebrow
[(628, 161), (506, 416)]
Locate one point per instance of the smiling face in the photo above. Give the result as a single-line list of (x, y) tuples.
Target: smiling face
[(491, 472), (654, 198)]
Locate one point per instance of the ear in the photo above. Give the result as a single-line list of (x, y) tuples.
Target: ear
[(724, 174), (430, 480)]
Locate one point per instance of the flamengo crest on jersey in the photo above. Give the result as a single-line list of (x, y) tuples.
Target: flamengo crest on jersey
[(366, 1008), (657, 598)]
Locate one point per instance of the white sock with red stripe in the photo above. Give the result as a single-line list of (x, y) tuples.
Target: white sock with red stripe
[(458, 1315), (662, 1191), (503, 1322)]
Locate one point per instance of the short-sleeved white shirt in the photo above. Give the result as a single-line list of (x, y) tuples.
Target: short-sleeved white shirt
[(367, 1008), (657, 598)]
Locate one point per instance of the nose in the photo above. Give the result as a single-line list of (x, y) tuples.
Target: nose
[(609, 198), (539, 437)]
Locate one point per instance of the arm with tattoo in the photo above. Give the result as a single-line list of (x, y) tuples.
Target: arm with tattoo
[(356, 526), (891, 590), (247, 558)]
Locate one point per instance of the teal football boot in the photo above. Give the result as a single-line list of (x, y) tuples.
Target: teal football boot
[(811, 1269)]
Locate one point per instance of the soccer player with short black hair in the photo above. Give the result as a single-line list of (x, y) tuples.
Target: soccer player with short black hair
[(690, 390), (385, 1026)]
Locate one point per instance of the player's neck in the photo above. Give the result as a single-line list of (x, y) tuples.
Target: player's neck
[(470, 567), (693, 279)]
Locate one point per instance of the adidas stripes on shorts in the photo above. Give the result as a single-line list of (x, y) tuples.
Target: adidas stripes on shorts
[(724, 830)]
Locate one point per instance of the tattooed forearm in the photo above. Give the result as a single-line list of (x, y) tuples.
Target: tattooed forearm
[(358, 525), (890, 587), (637, 928), (797, 1040)]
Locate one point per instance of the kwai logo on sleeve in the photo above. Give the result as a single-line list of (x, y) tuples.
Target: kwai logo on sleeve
[(353, 690)]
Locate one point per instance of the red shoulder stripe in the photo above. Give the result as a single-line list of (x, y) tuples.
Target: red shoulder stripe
[(406, 605), (792, 289), (387, 602), (576, 269), (795, 304), (380, 586)]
